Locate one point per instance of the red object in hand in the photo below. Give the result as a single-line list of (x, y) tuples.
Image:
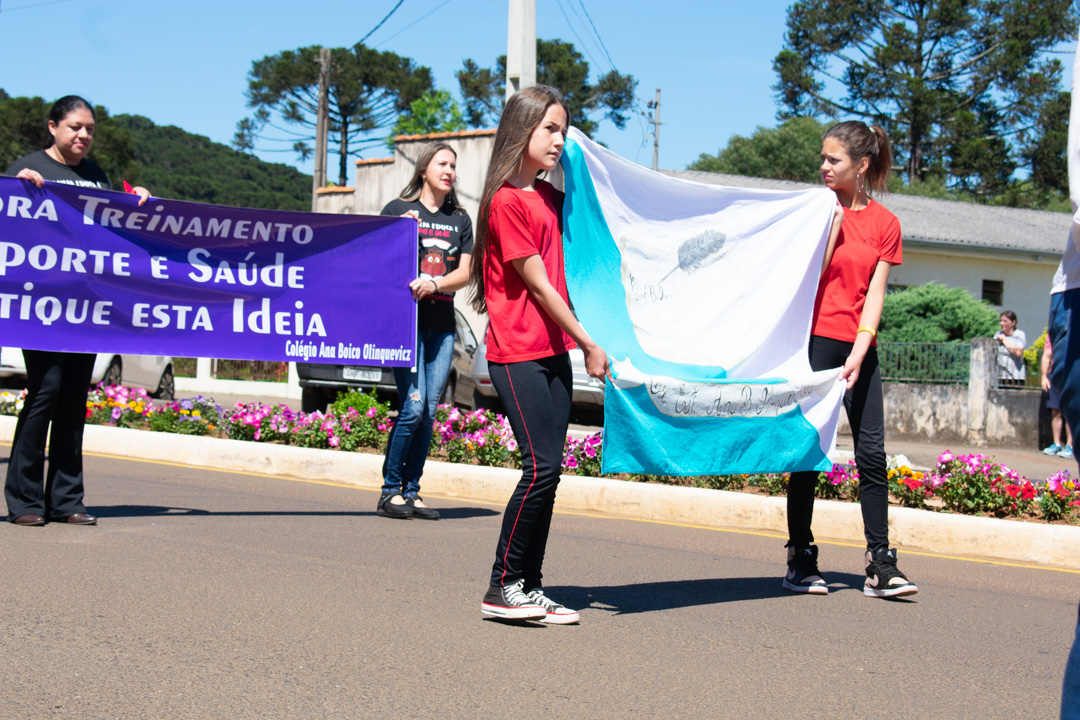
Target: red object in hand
[(128, 189)]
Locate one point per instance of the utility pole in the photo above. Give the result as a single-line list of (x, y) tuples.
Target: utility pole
[(319, 177), (521, 46), (654, 105)]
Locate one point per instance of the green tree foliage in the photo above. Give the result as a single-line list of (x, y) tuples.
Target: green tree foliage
[(956, 84), (170, 162), (433, 112), (935, 313), (560, 65), (177, 164), (368, 90), (791, 151)]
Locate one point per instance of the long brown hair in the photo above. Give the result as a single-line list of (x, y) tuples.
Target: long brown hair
[(412, 191), (523, 113), (863, 141)]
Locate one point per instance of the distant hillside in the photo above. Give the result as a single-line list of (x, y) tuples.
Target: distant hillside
[(174, 163)]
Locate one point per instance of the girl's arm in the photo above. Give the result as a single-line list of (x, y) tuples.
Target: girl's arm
[(534, 274), (870, 318), (1044, 368), (838, 219), (449, 282)]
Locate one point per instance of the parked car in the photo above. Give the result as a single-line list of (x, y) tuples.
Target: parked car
[(588, 392), (321, 383), (151, 372)]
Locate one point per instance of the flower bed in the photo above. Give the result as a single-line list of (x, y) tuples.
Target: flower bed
[(969, 484)]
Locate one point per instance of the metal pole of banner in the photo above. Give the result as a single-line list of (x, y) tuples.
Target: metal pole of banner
[(319, 176)]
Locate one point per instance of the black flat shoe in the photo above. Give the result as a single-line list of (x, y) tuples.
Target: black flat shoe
[(422, 513), (390, 510)]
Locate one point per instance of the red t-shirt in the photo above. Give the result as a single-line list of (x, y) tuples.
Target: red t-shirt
[(520, 224), (866, 237)]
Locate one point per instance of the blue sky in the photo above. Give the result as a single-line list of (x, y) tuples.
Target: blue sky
[(186, 63)]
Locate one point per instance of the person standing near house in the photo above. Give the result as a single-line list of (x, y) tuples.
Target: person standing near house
[(855, 161), (1010, 352), (445, 241), (56, 382), (1053, 403)]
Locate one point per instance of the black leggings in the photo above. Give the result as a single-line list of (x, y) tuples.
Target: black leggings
[(865, 408), (536, 396)]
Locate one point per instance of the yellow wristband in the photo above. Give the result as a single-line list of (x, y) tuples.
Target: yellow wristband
[(873, 333)]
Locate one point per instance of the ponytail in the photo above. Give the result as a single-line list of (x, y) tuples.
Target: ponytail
[(871, 142)]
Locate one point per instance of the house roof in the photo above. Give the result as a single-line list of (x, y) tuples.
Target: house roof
[(942, 224)]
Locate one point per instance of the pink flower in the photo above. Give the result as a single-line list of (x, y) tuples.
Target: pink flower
[(371, 412), (945, 457), (334, 442)]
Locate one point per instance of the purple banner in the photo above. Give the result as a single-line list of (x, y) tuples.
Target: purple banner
[(89, 271)]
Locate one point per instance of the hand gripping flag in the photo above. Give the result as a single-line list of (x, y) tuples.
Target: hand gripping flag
[(702, 295)]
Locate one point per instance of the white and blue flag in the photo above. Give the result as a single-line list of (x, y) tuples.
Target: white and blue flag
[(702, 295)]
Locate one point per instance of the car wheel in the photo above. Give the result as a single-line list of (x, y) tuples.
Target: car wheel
[(483, 402), (166, 389), (113, 374), (312, 400), (447, 397)]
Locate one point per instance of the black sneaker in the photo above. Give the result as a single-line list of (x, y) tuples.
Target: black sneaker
[(423, 512), (803, 575), (510, 603), (882, 577), (390, 510)]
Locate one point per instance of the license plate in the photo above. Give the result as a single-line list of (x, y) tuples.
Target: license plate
[(361, 374)]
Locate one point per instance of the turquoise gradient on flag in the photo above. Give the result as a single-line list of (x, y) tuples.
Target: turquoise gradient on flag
[(638, 438)]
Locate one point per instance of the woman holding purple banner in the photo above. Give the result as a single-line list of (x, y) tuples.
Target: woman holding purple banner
[(56, 382), (445, 240)]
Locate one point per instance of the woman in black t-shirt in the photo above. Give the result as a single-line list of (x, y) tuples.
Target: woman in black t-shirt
[(445, 248), (56, 382)]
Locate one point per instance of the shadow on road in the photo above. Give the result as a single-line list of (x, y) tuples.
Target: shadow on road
[(649, 597), (121, 511)]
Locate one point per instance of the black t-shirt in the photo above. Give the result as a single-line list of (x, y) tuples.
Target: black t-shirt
[(86, 174), (444, 236)]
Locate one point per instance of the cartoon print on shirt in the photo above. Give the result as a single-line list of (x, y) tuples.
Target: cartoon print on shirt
[(433, 258)]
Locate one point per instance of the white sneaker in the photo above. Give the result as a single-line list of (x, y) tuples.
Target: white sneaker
[(556, 614)]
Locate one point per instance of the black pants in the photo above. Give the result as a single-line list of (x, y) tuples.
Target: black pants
[(865, 408), (56, 385), (536, 395)]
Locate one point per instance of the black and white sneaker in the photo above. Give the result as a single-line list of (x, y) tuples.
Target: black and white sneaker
[(510, 603), (803, 575), (883, 579), (556, 614)]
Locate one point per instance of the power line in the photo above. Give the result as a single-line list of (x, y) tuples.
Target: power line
[(394, 10), (577, 16), (571, 26), (33, 5), (597, 33), (423, 17)]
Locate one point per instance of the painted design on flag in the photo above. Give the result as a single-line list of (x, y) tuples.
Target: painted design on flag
[(702, 295)]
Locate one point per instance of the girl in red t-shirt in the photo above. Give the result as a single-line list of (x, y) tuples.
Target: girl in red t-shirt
[(517, 277), (855, 159)]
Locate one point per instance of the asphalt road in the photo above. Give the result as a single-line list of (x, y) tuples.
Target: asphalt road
[(225, 595)]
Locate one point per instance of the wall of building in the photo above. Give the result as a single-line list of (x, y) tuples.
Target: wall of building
[(1026, 279)]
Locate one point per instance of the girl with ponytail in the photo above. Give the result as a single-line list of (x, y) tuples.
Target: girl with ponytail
[(855, 164)]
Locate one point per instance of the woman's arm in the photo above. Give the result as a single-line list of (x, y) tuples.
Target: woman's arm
[(870, 318), (1044, 368), (1016, 349), (451, 281), (32, 175), (838, 219), (534, 274)]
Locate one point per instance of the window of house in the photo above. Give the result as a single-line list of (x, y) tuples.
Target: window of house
[(993, 291)]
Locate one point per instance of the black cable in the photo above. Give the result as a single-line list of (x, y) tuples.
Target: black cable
[(381, 22), (597, 33)]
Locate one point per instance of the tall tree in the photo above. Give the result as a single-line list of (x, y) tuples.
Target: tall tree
[(560, 65), (432, 112), (791, 151), (368, 90), (955, 83)]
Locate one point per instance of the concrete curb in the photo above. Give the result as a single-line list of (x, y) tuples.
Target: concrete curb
[(1034, 543)]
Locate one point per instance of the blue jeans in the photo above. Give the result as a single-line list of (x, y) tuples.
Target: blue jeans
[(1064, 331), (418, 396)]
